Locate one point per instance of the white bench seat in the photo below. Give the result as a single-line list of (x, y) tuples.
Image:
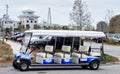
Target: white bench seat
[(45, 57), (81, 54), (64, 56)]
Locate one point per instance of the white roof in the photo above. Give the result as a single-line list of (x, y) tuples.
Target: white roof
[(28, 11), (69, 33)]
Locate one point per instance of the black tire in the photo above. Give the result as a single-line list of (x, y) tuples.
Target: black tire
[(97, 41), (15, 64), (23, 66), (84, 67), (94, 65)]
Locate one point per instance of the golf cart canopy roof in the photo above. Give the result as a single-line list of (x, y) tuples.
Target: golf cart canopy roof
[(67, 33)]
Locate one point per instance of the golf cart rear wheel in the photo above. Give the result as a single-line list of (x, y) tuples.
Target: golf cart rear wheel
[(94, 65), (15, 64), (23, 66)]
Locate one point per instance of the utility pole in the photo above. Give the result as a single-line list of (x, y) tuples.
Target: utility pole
[(6, 9), (49, 17)]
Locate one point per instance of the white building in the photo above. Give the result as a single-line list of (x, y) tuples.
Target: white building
[(28, 18), (6, 22)]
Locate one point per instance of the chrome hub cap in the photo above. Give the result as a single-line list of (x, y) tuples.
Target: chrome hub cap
[(23, 66), (95, 65)]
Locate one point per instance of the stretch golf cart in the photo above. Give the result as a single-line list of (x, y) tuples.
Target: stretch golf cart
[(57, 49)]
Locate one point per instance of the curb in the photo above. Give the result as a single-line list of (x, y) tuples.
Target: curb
[(5, 65)]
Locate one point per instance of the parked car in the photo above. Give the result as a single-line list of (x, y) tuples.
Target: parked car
[(99, 40), (116, 38), (15, 37), (16, 33), (110, 36), (20, 39)]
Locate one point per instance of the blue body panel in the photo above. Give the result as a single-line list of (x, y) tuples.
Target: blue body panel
[(89, 60), (27, 57), (23, 57), (93, 59), (68, 62), (46, 62)]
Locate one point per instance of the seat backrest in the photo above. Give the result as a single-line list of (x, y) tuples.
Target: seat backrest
[(49, 48), (66, 48), (83, 49)]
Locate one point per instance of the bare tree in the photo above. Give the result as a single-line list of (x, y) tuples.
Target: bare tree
[(88, 28), (79, 15), (109, 15), (114, 25)]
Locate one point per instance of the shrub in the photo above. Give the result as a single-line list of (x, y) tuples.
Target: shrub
[(111, 41), (109, 58)]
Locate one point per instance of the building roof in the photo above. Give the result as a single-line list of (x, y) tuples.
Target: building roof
[(28, 14), (28, 11)]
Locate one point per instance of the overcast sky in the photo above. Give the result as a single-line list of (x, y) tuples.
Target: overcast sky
[(60, 9)]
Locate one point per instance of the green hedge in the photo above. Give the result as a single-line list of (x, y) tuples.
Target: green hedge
[(109, 58)]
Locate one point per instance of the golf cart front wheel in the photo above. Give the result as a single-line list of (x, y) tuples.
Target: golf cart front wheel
[(15, 64), (23, 66), (94, 65)]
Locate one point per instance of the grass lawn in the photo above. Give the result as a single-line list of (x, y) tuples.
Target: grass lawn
[(108, 58)]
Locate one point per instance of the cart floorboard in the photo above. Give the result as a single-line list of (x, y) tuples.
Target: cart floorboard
[(36, 64)]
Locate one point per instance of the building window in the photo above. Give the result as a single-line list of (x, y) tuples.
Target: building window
[(5, 22), (27, 21), (27, 26), (35, 21), (10, 22), (31, 21)]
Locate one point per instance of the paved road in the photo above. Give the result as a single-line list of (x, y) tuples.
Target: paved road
[(107, 69), (14, 45), (112, 50)]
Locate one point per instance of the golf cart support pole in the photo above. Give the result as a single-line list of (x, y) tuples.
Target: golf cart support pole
[(102, 49), (28, 43)]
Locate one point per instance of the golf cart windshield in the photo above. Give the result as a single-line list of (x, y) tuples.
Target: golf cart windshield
[(26, 41)]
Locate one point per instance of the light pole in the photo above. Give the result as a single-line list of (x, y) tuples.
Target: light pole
[(3, 34), (13, 28)]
